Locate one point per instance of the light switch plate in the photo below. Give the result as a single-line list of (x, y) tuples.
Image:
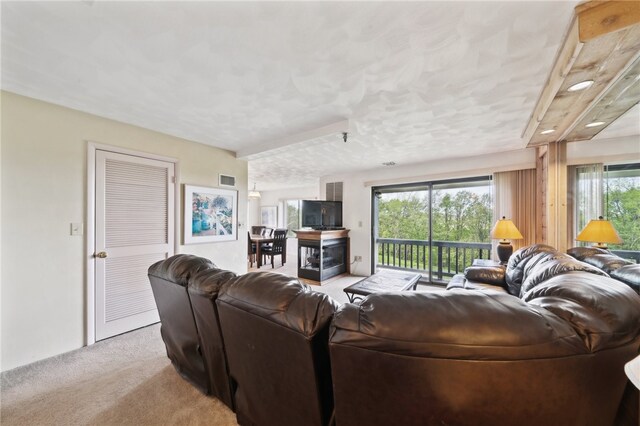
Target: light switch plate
[(77, 229)]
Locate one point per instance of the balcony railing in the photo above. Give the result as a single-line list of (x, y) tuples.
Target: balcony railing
[(632, 255), (447, 257)]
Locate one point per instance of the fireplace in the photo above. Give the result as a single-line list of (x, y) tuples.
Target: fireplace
[(320, 259)]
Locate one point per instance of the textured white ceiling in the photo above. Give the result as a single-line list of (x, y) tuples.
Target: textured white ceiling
[(419, 81)]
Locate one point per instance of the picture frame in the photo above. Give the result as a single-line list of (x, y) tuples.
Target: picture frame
[(210, 214), (269, 216)]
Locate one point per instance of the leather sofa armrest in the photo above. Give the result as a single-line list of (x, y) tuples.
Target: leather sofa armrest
[(494, 275)]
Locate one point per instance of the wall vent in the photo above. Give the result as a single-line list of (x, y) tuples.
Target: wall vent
[(226, 180), (334, 191)]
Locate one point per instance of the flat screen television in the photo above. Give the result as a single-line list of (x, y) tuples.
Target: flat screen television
[(321, 214)]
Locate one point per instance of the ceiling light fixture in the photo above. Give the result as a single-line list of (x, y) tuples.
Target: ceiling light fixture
[(595, 124), (546, 132), (580, 86), (254, 194), (389, 163)]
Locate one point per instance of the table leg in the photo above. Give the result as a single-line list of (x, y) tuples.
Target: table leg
[(258, 255)]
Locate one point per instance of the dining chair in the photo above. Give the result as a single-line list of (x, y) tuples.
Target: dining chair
[(251, 249), (267, 232), (278, 247), (257, 230)]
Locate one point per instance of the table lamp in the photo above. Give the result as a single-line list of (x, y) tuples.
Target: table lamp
[(600, 232), (505, 230)]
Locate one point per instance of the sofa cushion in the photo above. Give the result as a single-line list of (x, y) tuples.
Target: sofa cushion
[(458, 324), (179, 268), (282, 300), (628, 274), (540, 259), (581, 252), (552, 266), (493, 275), (607, 262), (603, 311), (517, 262)]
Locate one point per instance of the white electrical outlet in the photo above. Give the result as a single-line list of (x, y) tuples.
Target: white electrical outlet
[(76, 229), (357, 258)]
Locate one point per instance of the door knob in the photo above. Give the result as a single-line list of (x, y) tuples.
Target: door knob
[(102, 254)]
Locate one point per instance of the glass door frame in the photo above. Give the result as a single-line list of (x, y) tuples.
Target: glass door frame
[(406, 187)]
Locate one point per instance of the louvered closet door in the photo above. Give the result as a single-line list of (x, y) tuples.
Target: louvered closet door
[(134, 229)]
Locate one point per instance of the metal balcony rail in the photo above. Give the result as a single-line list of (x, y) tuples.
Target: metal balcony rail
[(447, 258)]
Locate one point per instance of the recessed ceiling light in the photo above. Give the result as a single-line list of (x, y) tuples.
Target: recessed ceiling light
[(580, 86), (595, 124), (389, 163), (546, 132)]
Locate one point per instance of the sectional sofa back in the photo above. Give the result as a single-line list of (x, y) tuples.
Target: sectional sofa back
[(204, 289), (556, 356), (275, 332), (169, 281), (617, 267)]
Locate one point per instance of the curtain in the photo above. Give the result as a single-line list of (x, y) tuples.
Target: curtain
[(584, 198), (515, 198)]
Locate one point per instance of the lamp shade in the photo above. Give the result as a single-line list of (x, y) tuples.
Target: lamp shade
[(506, 230), (599, 231)]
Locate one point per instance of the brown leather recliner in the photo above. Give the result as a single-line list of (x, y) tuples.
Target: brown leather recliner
[(459, 357), (275, 333), (169, 279), (204, 289)]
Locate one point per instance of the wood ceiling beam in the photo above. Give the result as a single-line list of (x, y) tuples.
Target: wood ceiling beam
[(603, 17), (602, 45)]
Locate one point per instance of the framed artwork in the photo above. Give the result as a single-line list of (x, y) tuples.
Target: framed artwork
[(210, 214), (269, 215)]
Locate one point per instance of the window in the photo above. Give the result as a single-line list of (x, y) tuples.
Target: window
[(622, 203), (612, 191), (437, 228), (292, 216)]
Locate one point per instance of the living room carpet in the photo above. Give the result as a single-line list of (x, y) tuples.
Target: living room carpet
[(125, 380)]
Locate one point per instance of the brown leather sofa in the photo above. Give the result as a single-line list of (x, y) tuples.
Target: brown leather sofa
[(169, 279), (185, 288), (540, 341), (276, 338), (617, 267), (204, 290), (553, 354)]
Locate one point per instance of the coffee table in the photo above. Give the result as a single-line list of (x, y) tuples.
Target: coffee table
[(383, 281)]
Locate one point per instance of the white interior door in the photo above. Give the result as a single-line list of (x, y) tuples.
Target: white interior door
[(134, 228)]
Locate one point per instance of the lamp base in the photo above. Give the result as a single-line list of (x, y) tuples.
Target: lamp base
[(504, 250)]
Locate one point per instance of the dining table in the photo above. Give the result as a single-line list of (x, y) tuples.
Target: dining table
[(259, 240)]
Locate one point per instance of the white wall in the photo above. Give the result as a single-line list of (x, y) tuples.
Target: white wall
[(44, 156)]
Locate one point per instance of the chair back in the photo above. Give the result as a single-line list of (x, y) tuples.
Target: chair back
[(251, 247), (204, 289), (279, 240), (257, 230), (169, 279), (267, 232), (283, 383)]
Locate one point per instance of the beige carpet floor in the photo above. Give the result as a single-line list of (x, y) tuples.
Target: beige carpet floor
[(125, 380)]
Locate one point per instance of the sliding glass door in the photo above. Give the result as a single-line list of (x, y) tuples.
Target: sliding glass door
[(436, 228)]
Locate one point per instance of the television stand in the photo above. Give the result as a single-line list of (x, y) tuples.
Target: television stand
[(322, 254)]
